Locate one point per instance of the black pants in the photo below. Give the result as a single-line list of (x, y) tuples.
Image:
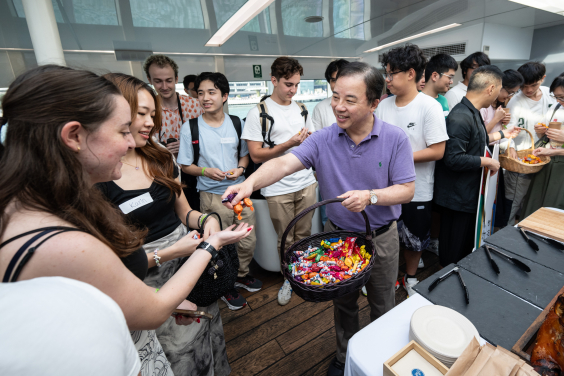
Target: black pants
[(456, 238)]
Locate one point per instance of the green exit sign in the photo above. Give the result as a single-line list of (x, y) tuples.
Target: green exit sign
[(257, 71)]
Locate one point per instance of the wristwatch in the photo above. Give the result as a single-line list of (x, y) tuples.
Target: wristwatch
[(244, 169), (373, 197), (210, 248)]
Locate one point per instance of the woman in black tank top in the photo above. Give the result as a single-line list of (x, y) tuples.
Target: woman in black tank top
[(67, 130)]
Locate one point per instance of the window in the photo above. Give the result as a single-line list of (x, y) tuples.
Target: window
[(249, 94), (224, 9), (293, 14), (20, 10), (167, 13), (347, 14), (93, 12)]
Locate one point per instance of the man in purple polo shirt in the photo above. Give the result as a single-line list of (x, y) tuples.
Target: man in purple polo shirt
[(370, 164)]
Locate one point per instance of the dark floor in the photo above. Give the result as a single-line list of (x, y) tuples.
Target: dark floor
[(297, 339)]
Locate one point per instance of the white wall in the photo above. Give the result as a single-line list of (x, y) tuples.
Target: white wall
[(548, 47), (507, 42)]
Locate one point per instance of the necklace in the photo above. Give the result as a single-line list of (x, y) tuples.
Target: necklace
[(136, 167)]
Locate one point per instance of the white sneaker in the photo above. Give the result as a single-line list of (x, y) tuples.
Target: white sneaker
[(363, 290), (285, 293), (421, 264), (434, 246), (408, 284)]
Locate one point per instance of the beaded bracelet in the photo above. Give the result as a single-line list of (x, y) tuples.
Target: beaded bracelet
[(157, 258)]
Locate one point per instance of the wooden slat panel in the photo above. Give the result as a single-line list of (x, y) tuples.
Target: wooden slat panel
[(257, 360), (296, 362), (228, 315), (268, 331), (264, 296), (255, 318)]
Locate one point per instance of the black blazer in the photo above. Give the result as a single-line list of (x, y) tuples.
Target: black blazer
[(458, 174)]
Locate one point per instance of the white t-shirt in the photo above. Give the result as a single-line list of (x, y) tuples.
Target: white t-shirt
[(525, 113), (424, 123), (455, 95), (55, 326), (287, 122), (323, 115)]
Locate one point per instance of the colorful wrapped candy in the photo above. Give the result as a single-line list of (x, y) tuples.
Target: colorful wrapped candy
[(333, 261)]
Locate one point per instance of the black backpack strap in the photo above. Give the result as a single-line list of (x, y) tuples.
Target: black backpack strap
[(237, 124), (194, 130), (304, 112), (266, 129)]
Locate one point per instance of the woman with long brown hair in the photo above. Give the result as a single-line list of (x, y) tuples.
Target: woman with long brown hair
[(150, 178), (68, 130)]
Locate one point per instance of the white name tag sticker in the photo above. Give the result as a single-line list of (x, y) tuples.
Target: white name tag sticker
[(420, 207), (228, 140), (135, 203)]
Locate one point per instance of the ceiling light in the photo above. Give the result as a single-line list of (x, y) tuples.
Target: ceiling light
[(313, 19), (246, 13), (413, 37), (553, 6)]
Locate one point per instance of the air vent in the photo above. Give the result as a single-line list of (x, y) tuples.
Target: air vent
[(450, 49), (313, 19)]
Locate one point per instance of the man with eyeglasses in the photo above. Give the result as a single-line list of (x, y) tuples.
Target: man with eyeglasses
[(323, 115), (528, 108), (439, 75), (468, 65), (421, 118)]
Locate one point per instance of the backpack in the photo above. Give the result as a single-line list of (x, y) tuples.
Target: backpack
[(267, 121), (191, 180), (196, 136)]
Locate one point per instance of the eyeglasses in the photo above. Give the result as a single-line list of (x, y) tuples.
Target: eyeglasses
[(509, 95), (559, 99), (390, 76), (451, 77)]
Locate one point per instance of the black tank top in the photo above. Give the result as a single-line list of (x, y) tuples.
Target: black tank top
[(136, 262)]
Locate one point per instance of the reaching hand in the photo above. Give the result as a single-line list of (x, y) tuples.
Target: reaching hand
[(243, 190), (513, 153), (187, 244), (511, 132), (230, 235), (539, 152), (356, 201)]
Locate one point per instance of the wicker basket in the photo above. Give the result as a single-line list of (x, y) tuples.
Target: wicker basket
[(333, 290), (514, 165)]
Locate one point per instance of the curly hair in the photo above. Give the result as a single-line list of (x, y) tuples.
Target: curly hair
[(286, 67), (161, 61), (405, 58)]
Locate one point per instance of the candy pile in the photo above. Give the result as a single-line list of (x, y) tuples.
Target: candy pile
[(332, 262), (530, 159)]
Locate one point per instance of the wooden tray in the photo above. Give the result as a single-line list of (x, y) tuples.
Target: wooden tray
[(524, 346), (546, 222), (388, 371)]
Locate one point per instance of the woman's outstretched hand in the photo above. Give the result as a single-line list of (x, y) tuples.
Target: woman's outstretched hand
[(230, 235)]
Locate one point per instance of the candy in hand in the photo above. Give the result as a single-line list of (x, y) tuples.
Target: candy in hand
[(229, 198)]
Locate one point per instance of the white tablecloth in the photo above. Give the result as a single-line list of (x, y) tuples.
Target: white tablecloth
[(372, 346)]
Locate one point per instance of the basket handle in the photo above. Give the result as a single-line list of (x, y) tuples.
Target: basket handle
[(315, 206), (532, 142)]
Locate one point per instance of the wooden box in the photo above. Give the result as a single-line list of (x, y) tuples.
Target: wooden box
[(388, 371), (524, 346)]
